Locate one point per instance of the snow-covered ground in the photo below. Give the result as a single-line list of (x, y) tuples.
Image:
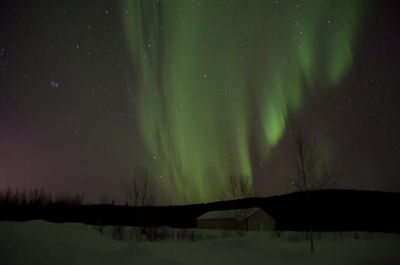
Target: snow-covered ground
[(40, 242)]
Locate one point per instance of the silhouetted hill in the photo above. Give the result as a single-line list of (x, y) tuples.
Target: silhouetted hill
[(332, 210)]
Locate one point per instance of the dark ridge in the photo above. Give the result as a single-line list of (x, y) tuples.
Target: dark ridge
[(332, 210)]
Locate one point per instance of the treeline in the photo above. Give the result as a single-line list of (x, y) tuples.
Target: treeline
[(23, 205), (331, 210), (37, 198)]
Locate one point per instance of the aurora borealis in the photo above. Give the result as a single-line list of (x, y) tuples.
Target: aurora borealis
[(195, 91), (205, 78)]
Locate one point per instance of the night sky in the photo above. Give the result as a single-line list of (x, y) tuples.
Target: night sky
[(195, 91)]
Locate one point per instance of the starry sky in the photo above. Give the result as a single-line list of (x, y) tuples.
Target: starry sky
[(194, 91)]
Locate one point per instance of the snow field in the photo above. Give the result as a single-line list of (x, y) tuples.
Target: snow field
[(40, 242)]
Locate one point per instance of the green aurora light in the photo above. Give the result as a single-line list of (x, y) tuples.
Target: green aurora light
[(215, 76)]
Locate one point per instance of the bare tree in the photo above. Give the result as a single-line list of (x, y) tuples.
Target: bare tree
[(308, 172), (239, 188), (328, 177), (139, 188)]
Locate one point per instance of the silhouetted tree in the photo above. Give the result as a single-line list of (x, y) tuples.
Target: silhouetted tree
[(39, 198), (67, 200), (140, 189), (140, 192), (308, 172), (240, 188)]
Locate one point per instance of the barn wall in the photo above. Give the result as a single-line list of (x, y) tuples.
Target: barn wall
[(260, 221), (219, 224)]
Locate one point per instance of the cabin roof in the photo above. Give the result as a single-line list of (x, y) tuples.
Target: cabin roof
[(229, 214)]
